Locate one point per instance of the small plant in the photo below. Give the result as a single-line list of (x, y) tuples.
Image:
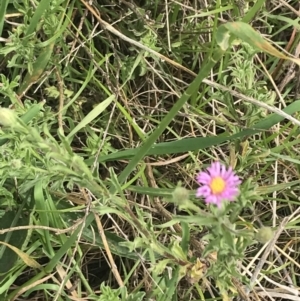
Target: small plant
[(227, 239)]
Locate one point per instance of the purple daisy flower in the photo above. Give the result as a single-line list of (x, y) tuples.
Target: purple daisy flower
[(218, 184)]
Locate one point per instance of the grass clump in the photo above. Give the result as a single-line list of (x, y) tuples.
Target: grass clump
[(109, 111)]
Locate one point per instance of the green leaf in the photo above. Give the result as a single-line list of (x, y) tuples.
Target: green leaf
[(246, 33), (193, 219), (38, 68), (37, 17), (251, 13), (67, 245), (29, 261), (3, 8), (185, 237), (91, 116), (192, 144), (32, 112), (8, 257)]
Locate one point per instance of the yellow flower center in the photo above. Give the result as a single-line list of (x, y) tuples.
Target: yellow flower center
[(217, 185)]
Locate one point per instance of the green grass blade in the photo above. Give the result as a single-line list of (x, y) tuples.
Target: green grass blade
[(91, 116), (193, 87), (37, 17), (32, 112), (68, 245), (251, 13), (245, 32), (16, 238), (192, 144), (41, 208), (167, 192), (3, 7), (38, 68)]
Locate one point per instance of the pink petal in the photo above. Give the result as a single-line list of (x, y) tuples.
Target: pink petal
[(203, 191), (232, 181), (203, 178)]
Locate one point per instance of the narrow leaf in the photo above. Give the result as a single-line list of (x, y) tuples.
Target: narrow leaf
[(38, 68), (91, 116), (246, 33), (26, 258)]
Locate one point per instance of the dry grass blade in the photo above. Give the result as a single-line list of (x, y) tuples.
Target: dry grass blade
[(267, 251), (112, 263)]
